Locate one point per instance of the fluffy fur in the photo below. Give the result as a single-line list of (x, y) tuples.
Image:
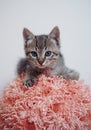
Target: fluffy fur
[(43, 56)]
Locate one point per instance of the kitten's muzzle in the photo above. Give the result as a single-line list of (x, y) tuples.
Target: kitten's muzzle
[(41, 61)]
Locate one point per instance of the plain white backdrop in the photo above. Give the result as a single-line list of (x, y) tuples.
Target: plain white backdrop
[(73, 18)]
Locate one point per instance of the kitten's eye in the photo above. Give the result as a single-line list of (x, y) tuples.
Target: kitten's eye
[(33, 53), (48, 53)]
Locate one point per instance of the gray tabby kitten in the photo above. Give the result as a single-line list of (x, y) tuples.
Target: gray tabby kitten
[(43, 56)]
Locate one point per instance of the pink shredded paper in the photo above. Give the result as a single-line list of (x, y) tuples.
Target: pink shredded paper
[(51, 104)]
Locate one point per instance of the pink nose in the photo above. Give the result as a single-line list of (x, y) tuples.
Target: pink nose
[(40, 61)]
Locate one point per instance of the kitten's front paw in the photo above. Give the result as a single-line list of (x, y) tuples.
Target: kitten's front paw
[(73, 75), (29, 82)]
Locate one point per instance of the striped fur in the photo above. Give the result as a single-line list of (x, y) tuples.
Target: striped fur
[(43, 56)]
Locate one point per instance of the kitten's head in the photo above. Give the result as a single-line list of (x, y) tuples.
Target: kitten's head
[(42, 50)]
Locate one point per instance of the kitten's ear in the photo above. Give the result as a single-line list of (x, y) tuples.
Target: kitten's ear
[(27, 35), (55, 34)]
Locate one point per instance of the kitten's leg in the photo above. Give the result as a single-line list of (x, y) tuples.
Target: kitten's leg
[(70, 74), (29, 80)]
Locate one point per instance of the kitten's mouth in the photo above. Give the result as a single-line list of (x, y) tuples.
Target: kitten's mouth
[(41, 66)]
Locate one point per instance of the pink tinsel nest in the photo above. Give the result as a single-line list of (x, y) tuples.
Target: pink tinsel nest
[(51, 104)]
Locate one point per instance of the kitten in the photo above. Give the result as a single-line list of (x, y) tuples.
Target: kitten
[(43, 56)]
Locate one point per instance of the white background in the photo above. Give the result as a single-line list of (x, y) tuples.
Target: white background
[(73, 18)]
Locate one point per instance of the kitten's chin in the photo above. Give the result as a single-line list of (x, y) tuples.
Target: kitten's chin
[(41, 66), (44, 65)]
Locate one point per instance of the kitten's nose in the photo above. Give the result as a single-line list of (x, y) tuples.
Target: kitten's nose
[(40, 61)]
